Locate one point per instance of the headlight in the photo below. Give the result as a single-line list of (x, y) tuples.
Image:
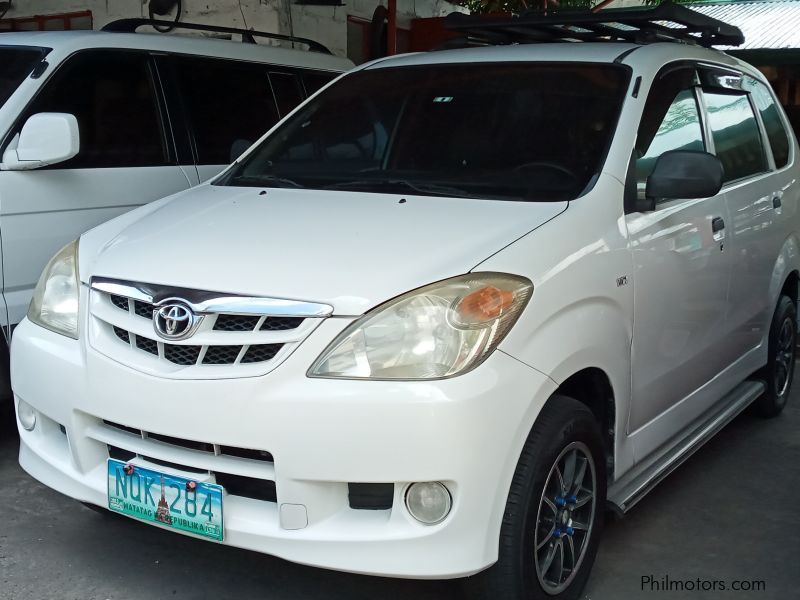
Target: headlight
[(55, 300), (437, 331)]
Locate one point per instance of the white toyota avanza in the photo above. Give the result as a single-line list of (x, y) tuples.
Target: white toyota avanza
[(441, 316)]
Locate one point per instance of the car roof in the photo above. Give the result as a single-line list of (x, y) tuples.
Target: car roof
[(67, 42), (641, 57)]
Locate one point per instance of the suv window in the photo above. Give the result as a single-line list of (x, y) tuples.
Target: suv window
[(227, 104), (520, 131), (770, 116), (737, 138), (112, 95), (670, 121), (15, 64), (288, 92)]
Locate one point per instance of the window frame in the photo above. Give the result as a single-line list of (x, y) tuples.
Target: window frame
[(709, 68), (160, 105), (787, 128)]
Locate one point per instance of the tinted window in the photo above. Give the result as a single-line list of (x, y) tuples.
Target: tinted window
[(532, 131), (770, 116), (315, 80), (112, 96), (670, 121), (737, 139), (288, 93), (229, 105), (15, 65)]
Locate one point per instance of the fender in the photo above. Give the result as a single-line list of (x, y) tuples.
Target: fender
[(581, 312)]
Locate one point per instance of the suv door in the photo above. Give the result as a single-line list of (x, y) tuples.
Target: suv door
[(763, 202), (126, 159), (682, 269)]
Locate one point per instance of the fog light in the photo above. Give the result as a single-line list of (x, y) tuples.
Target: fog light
[(26, 415), (428, 502)]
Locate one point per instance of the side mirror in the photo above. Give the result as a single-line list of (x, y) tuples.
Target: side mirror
[(45, 139), (684, 174)]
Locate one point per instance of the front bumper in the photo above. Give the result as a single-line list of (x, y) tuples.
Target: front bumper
[(466, 432)]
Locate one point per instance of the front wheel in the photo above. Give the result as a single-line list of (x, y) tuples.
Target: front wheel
[(779, 372), (554, 512)]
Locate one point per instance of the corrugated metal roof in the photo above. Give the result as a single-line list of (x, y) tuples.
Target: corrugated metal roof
[(765, 23)]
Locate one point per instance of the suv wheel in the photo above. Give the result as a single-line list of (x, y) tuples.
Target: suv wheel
[(554, 513), (779, 372)]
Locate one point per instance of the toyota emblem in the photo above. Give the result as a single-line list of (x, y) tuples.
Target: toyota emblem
[(174, 321)]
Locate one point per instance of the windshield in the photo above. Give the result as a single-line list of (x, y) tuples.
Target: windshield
[(523, 131), (15, 65)]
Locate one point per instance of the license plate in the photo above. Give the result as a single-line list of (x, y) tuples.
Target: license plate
[(175, 502)]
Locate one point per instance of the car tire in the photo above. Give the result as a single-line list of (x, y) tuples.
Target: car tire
[(778, 374), (540, 523)]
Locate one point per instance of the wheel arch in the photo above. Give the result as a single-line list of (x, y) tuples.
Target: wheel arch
[(592, 387)]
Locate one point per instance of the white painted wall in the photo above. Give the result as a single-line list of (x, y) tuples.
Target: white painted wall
[(326, 24)]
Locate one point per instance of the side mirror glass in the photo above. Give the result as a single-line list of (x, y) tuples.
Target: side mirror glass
[(684, 174), (45, 139)]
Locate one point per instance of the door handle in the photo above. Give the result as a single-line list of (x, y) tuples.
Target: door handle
[(776, 202), (717, 224)]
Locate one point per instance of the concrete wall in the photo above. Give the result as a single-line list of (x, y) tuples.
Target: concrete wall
[(326, 24)]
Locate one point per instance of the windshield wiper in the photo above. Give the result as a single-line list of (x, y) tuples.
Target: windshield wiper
[(265, 181), (420, 187)]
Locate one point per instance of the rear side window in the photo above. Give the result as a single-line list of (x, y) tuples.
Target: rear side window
[(288, 92), (15, 65), (228, 104), (112, 95), (737, 139), (770, 116), (670, 121)]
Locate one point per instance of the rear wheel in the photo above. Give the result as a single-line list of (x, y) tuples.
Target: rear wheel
[(779, 372), (554, 512)]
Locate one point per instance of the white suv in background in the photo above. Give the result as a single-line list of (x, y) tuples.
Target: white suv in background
[(438, 318), (93, 124)]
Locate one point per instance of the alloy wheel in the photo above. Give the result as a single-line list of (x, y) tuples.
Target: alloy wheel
[(565, 518)]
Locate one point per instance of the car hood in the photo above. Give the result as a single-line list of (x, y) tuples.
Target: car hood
[(350, 250)]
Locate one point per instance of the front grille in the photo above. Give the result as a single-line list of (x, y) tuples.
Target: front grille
[(248, 487), (248, 344), (147, 345), (120, 454), (119, 301), (221, 355), (236, 323), (281, 323), (143, 309), (260, 353), (203, 446), (182, 355), (151, 448)]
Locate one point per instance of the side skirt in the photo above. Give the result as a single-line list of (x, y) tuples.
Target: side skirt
[(636, 483)]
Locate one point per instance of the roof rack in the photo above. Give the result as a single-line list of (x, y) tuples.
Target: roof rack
[(248, 35), (665, 22)]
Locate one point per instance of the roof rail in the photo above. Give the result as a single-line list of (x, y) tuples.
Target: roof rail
[(248, 35), (665, 22)]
